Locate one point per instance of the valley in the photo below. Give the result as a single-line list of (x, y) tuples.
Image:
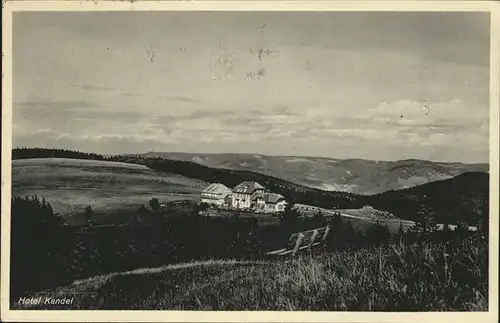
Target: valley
[(357, 176)]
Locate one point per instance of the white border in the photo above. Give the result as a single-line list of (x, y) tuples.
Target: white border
[(194, 316)]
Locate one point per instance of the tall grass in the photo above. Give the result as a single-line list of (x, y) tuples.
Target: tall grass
[(423, 277), (410, 278)]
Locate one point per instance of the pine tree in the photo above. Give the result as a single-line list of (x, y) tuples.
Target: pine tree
[(196, 210), (154, 204), (88, 214), (426, 220), (319, 218), (337, 221), (290, 215)]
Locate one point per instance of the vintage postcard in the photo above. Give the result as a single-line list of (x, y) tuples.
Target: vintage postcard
[(250, 161)]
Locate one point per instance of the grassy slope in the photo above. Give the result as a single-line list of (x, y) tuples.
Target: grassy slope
[(72, 184), (350, 175), (394, 278)]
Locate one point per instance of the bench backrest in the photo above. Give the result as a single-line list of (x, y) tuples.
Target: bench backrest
[(300, 240)]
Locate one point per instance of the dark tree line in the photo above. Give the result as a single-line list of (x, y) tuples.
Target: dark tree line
[(34, 238), (27, 153)]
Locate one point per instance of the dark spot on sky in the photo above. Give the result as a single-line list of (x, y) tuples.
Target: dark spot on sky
[(427, 109), (222, 67), (310, 65), (151, 56), (262, 52), (255, 75)]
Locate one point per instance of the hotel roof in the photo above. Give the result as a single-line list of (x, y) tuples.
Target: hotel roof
[(217, 188), (247, 187), (257, 195), (273, 198)]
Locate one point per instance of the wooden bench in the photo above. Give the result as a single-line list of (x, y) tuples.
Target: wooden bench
[(304, 240)]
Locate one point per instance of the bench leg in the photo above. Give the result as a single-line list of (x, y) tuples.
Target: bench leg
[(297, 244)]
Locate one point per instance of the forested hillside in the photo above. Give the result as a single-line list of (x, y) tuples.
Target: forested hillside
[(462, 198)]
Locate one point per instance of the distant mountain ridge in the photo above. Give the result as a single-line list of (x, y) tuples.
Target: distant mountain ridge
[(358, 176)]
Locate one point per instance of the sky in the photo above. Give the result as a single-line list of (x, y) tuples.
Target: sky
[(372, 85)]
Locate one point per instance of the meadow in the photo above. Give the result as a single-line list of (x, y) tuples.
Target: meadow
[(431, 276), (73, 184)]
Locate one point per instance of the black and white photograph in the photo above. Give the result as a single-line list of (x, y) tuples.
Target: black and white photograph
[(250, 160)]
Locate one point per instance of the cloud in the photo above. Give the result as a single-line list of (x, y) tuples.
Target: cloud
[(53, 104), (450, 123), (130, 94), (88, 87), (49, 113), (442, 126), (335, 83), (57, 112), (182, 99), (437, 114)]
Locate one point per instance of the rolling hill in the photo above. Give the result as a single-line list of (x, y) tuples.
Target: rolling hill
[(72, 184), (350, 175)]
